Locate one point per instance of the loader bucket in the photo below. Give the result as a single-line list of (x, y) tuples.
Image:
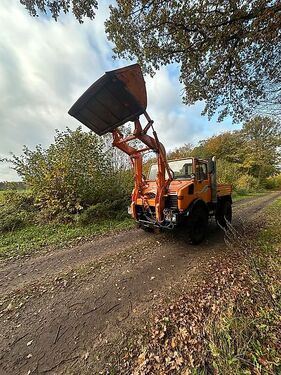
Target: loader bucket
[(117, 97)]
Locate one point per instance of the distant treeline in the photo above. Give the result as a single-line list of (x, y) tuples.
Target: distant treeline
[(12, 185), (249, 159)]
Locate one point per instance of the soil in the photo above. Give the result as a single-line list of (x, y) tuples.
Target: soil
[(70, 310)]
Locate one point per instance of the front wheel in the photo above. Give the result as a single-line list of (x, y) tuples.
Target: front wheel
[(198, 225)]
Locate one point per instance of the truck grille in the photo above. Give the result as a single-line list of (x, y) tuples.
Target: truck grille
[(172, 201)]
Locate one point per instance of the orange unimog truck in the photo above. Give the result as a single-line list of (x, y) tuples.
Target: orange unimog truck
[(176, 192)]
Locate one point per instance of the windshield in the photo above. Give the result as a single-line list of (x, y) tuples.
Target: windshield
[(182, 169)]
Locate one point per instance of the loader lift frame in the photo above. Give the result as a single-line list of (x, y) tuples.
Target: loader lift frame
[(152, 144)]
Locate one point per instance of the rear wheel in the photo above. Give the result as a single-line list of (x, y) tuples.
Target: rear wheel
[(198, 225), (224, 213)]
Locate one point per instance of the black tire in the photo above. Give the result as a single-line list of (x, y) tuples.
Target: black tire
[(224, 213), (198, 225)]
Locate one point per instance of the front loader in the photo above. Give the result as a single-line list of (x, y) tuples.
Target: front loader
[(175, 192)]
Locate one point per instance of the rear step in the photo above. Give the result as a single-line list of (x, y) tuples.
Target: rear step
[(117, 97)]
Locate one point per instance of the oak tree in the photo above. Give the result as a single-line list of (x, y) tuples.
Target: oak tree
[(228, 52), (80, 8)]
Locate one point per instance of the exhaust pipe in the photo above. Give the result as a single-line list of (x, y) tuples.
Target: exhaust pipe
[(213, 173)]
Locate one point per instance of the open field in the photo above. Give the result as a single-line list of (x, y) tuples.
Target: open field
[(2, 192), (68, 310)]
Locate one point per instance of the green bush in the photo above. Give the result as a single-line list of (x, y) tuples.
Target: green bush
[(47, 215), (10, 219), (21, 200), (273, 182), (16, 210), (246, 184), (77, 171), (104, 210), (228, 173)]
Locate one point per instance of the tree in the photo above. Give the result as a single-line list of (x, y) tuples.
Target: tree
[(227, 146), (181, 152), (270, 106), (254, 150), (80, 8), (229, 52), (12, 185), (262, 141), (230, 173)]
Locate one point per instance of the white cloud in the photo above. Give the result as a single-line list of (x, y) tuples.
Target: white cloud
[(46, 65)]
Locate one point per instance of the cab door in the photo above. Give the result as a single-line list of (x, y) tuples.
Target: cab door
[(202, 183)]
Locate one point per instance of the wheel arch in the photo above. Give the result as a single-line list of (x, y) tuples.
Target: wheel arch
[(225, 198), (196, 204)]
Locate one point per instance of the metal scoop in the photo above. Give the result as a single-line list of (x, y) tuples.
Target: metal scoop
[(117, 97)]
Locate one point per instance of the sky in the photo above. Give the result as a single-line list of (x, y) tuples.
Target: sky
[(46, 65)]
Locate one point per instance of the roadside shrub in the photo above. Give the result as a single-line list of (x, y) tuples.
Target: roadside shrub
[(48, 215), (21, 200), (246, 183), (105, 210), (273, 182), (10, 219), (77, 171), (16, 210)]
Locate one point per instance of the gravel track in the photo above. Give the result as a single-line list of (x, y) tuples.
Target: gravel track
[(66, 311)]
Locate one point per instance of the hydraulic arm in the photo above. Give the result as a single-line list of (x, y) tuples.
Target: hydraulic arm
[(151, 143)]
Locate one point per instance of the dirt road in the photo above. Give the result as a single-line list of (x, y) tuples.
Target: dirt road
[(68, 311)]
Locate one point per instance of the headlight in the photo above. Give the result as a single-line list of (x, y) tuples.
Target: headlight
[(174, 218), (170, 215)]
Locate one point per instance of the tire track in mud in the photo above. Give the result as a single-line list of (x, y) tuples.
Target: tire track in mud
[(15, 274), (71, 323)]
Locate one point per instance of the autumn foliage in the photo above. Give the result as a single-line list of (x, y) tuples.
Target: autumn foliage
[(81, 177), (77, 171)]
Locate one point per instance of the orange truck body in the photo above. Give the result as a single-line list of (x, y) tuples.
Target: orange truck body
[(182, 194), (180, 189)]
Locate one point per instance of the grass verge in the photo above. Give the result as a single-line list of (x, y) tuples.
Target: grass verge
[(245, 339), (34, 237), (239, 196)]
